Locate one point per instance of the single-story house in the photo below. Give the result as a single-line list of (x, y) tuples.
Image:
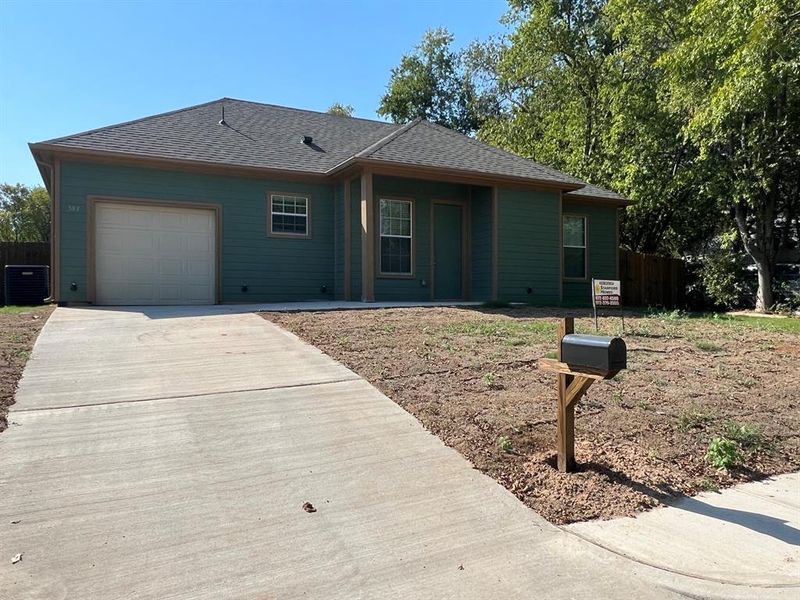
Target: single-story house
[(234, 201)]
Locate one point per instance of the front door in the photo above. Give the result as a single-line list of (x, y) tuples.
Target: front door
[(447, 252)]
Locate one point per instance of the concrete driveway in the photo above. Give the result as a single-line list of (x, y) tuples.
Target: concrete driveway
[(167, 453)]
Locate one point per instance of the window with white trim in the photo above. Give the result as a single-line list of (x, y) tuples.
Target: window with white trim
[(395, 236), (288, 215), (574, 247)]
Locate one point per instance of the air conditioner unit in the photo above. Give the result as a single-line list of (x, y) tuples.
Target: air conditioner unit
[(27, 285)]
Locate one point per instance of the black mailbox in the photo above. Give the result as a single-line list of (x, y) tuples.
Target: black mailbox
[(594, 351)]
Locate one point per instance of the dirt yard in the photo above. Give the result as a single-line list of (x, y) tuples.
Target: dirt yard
[(19, 328), (469, 375)]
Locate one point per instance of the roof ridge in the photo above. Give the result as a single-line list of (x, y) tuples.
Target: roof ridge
[(505, 153), (131, 122), (375, 146), (307, 110), (203, 104)]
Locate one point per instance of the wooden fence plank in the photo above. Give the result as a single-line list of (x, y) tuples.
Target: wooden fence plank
[(649, 280)]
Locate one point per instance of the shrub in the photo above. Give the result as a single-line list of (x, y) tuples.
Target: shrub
[(723, 453)]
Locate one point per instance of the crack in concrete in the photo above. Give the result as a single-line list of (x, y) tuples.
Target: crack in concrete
[(180, 396)]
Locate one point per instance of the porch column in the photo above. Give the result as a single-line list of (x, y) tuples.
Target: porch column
[(367, 239), (495, 241), (347, 226)]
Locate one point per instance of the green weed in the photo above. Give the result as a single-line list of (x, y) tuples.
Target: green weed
[(723, 453), (707, 346), (745, 435), (490, 379), (693, 419), (504, 443)]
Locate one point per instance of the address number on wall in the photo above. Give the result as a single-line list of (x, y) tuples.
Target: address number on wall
[(73, 208)]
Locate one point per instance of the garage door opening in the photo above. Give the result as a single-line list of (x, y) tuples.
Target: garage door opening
[(153, 254)]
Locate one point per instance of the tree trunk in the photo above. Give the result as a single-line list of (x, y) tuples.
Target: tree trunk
[(764, 294)]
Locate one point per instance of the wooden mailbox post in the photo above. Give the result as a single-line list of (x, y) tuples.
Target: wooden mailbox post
[(573, 381)]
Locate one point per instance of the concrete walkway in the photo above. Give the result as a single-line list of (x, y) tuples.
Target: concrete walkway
[(167, 453), (748, 535)]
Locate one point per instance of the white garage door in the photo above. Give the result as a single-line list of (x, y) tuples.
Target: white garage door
[(154, 254)]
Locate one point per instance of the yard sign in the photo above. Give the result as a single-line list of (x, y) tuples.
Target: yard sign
[(607, 292)]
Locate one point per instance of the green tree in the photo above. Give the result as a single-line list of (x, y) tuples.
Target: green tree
[(343, 110), (554, 71), (734, 78), (435, 82), (24, 213), (583, 94)]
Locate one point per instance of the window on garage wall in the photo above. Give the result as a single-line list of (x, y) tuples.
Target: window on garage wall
[(289, 216)]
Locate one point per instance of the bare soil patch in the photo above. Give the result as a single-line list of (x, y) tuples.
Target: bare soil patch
[(19, 328), (470, 376)]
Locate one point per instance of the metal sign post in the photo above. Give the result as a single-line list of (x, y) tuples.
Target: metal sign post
[(607, 292)]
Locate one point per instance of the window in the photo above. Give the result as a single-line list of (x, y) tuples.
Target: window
[(574, 247), (395, 232), (288, 215)]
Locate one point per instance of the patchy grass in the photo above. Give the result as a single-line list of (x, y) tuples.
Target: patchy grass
[(708, 346), (694, 418), (19, 328), (16, 310), (469, 375)]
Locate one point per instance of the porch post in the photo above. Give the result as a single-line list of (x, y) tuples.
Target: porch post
[(367, 239), (495, 242), (347, 226)]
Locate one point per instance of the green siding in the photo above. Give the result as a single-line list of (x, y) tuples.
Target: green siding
[(481, 249), (274, 269), (528, 246), (279, 269), (339, 241), (422, 193), (355, 240), (601, 249)]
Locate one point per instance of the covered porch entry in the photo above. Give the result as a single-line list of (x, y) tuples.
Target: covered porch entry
[(408, 239)]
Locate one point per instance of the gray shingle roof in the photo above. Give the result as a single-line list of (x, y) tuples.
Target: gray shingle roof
[(421, 143), (270, 137), (594, 191), (257, 135)]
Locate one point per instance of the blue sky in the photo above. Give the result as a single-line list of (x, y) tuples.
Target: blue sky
[(67, 67)]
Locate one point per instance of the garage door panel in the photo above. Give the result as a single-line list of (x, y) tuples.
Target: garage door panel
[(110, 242), (195, 292), (141, 268), (154, 255), (110, 215), (168, 243), (170, 267), (170, 221), (199, 244), (199, 223), (199, 268)]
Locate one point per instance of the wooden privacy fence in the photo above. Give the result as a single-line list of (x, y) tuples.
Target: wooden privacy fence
[(21, 253), (649, 280)]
